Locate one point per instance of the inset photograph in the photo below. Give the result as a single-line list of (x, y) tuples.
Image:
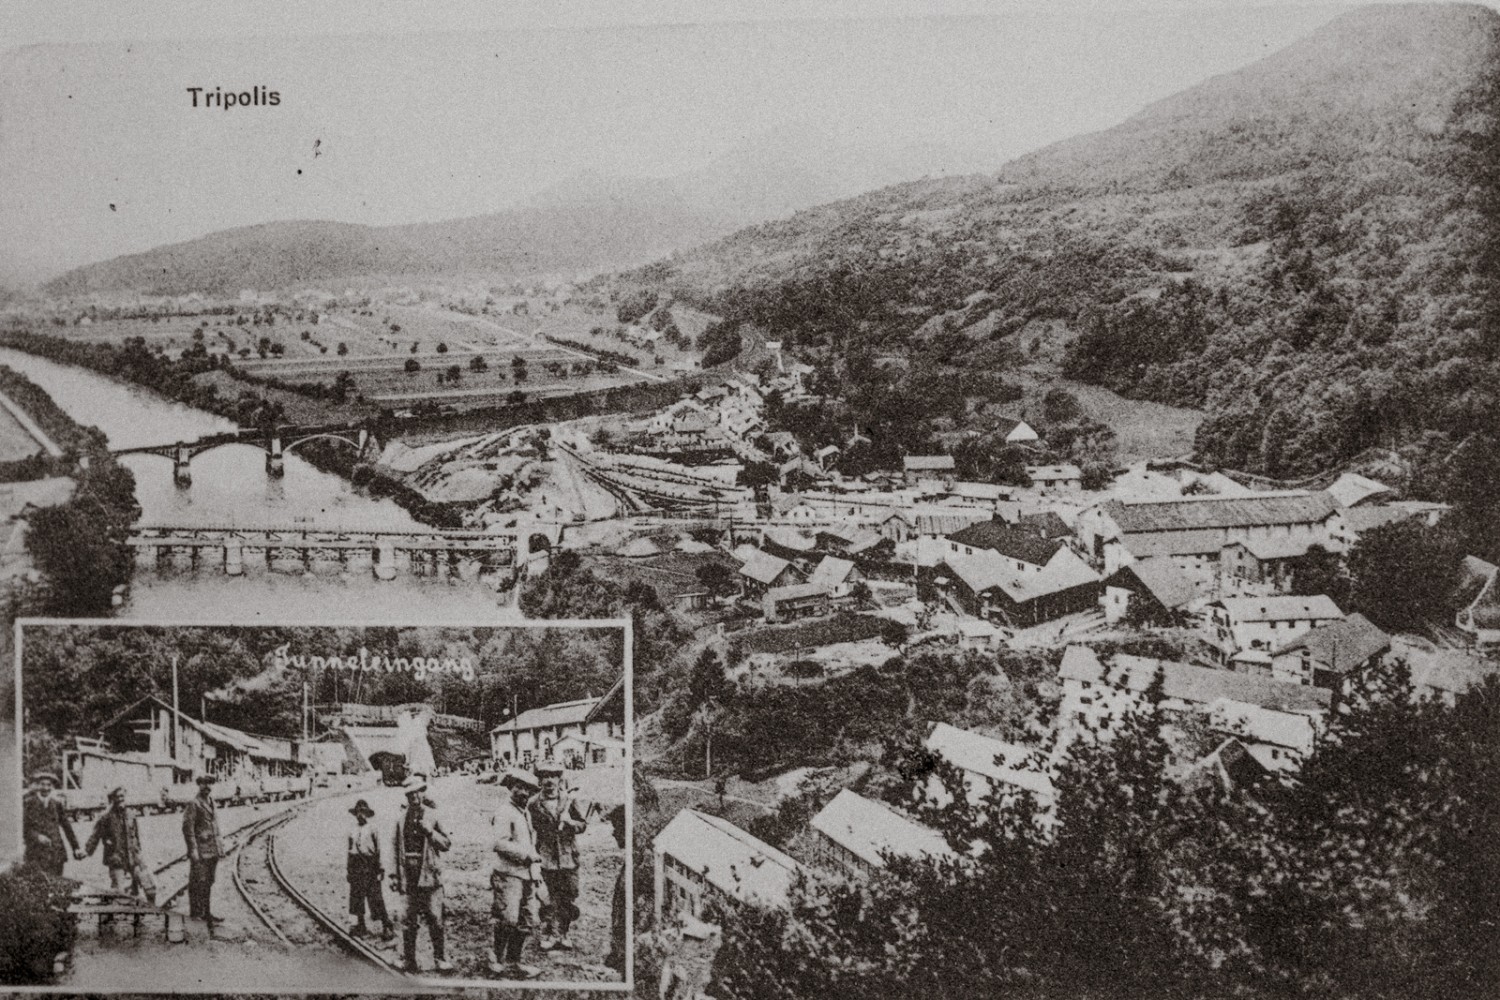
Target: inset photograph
[(322, 808)]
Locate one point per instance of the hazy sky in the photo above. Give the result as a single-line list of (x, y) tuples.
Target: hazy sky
[(101, 152)]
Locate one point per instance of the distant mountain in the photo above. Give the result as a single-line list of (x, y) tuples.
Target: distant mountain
[(591, 220), (1308, 248)]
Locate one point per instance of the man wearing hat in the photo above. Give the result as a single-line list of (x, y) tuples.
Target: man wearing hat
[(557, 821), (45, 826), (120, 834), (418, 843), (511, 878), (200, 832), (363, 870)]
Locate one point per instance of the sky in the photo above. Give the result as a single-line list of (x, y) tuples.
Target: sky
[(395, 113)]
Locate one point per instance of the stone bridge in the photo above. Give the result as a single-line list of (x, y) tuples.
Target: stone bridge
[(276, 442), (426, 552)]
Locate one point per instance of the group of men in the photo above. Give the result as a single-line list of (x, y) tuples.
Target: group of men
[(534, 879)]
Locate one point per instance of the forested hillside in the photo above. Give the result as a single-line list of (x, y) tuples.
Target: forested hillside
[(1308, 249)]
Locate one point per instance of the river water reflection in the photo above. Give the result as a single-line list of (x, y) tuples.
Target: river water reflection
[(230, 486)]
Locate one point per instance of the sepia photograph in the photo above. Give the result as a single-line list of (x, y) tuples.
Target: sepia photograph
[(317, 808), (893, 498)]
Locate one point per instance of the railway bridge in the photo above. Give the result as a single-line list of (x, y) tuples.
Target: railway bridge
[(275, 441), (428, 552)]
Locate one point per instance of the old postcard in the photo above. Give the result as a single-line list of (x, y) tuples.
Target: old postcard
[(722, 498)]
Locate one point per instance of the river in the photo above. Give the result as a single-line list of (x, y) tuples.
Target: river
[(230, 486)]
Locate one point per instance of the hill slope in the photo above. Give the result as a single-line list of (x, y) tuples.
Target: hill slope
[(1307, 248), (590, 221)]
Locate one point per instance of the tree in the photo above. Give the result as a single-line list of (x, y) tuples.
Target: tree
[(717, 578), (342, 349), (862, 593), (1424, 560), (1319, 571), (454, 373), (412, 366), (478, 364), (442, 347), (707, 681)]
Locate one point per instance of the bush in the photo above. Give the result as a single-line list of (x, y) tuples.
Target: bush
[(33, 925)]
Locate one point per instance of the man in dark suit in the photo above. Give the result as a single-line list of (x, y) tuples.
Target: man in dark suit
[(45, 827), (418, 843), (200, 831), (557, 820)]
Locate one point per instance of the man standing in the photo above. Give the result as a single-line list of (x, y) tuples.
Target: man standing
[(557, 821), (120, 834), (418, 842), (45, 826), (200, 831), (363, 870), (511, 878)]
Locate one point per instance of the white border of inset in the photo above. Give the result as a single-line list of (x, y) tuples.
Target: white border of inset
[(425, 987)]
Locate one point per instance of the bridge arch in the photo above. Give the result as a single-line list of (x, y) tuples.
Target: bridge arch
[(351, 441)]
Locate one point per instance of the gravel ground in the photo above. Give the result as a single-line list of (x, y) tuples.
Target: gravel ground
[(310, 852)]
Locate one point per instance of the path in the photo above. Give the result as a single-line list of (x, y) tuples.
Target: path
[(697, 787), (24, 419)]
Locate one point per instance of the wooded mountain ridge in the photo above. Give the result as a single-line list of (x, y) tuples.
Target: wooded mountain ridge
[(1307, 248)]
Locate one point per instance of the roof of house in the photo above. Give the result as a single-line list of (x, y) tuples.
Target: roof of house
[(563, 713), (928, 463), (639, 548), (1351, 489), (990, 758), (1262, 725), (1267, 549), (795, 591), (762, 567), (1449, 670), (1047, 523), (1190, 683), (731, 860), (1007, 425), (1150, 545), (789, 538), (1358, 520), (831, 572), (1340, 645), (871, 830), (989, 570), (932, 523), (1162, 580), (1010, 541), (1279, 608), (1207, 512)]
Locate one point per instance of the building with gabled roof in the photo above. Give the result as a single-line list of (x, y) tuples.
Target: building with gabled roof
[(919, 467), (1351, 490), (856, 835), (1156, 586), (1066, 478), (1195, 530), (532, 735), (1479, 598), (1007, 586), (1029, 550), (987, 764), (796, 600), (1279, 741), (1097, 696), (702, 858), (836, 576), (762, 571), (1244, 630), (1324, 656), (1013, 430)]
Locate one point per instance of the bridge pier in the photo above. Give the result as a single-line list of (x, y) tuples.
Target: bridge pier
[(384, 561), (274, 467), (234, 557), (182, 473)]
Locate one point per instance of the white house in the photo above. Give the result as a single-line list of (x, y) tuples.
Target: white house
[(701, 857), (836, 576), (1279, 741), (1056, 478), (1015, 431), (1245, 630), (986, 763), (534, 734), (580, 751), (856, 835)]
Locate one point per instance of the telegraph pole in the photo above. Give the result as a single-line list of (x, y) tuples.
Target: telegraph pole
[(176, 712), (304, 711)]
